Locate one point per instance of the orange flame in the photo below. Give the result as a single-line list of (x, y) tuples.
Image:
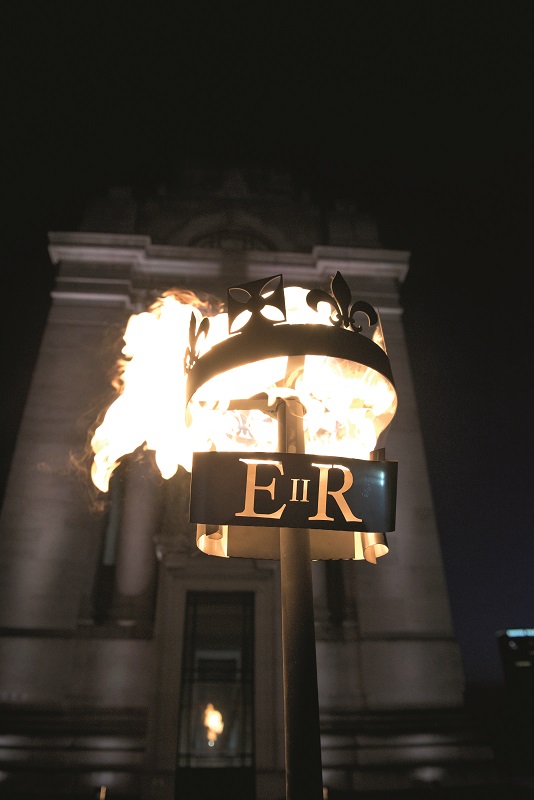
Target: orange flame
[(347, 404)]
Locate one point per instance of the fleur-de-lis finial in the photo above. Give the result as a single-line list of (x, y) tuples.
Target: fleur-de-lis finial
[(191, 353), (343, 313)]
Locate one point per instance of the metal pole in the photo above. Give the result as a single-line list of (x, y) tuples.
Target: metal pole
[(304, 780)]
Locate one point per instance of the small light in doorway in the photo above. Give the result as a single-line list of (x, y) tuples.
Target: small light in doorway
[(213, 722)]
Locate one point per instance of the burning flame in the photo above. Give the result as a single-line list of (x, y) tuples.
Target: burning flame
[(347, 404), (213, 722)]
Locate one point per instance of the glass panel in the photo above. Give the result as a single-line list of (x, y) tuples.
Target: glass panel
[(216, 708)]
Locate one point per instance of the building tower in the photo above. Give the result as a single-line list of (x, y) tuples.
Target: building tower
[(115, 628)]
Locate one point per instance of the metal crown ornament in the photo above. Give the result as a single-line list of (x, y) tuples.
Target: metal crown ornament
[(239, 499)]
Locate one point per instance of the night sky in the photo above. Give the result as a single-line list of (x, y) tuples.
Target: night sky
[(419, 112)]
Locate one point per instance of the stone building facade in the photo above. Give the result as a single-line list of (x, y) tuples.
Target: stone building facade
[(105, 601)]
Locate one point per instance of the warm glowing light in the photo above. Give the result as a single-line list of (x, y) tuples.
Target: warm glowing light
[(347, 405), (150, 409), (213, 722)]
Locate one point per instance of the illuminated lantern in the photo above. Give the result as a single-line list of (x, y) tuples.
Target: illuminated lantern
[(319, 362)]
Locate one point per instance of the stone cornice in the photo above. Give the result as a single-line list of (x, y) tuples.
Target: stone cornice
[(114, 268)]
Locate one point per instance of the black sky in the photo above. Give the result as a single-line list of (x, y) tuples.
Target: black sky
[(420, 112)]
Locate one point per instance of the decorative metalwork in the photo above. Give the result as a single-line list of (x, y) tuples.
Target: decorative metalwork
[(339, 300), (261, 338), (191, 353), (254, 297), (258, 339)]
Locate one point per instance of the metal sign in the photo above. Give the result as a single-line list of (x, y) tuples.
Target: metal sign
[(293, 490)]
